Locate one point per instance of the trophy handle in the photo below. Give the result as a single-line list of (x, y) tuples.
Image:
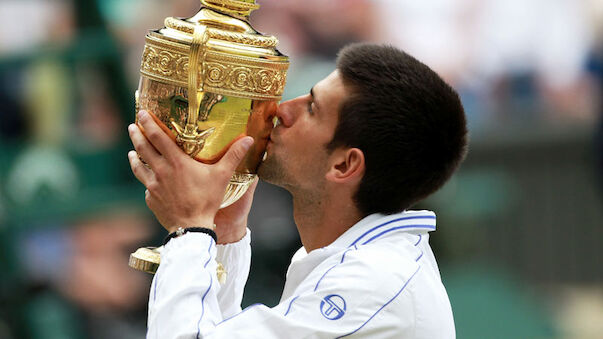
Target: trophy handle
[(190, 138)]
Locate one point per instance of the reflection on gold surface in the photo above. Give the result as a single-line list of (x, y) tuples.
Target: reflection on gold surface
[(229, 118), (259, 126)]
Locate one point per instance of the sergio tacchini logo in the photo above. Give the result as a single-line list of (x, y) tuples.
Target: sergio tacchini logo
[(332, 307)]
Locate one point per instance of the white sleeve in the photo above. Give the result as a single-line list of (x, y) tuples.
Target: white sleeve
[(236, 260), (184, 299), (183, 296)]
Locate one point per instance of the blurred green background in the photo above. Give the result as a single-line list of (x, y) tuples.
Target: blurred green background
[(519, 237)]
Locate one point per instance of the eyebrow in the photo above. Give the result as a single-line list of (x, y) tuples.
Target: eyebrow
[(314, 98)]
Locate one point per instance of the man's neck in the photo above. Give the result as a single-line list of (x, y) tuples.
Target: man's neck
[(320, 221)]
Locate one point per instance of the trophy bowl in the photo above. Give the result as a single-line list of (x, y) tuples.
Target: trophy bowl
[(209, 80)]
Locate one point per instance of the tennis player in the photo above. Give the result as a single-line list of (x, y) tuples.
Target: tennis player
[(378, 135)]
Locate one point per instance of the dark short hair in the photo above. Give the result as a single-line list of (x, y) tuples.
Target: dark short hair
[(407, 121)]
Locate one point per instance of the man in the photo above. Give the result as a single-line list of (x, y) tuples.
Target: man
[(380, 133)]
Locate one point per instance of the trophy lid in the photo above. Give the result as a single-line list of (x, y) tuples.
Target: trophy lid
[(236, 60)]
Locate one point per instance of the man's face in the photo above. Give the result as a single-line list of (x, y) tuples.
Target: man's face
[(296, 155)]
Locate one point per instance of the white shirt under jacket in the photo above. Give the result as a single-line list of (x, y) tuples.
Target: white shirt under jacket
[(377, 280)]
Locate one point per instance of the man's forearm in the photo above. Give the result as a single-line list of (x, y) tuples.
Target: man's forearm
[(236, 260), (183, 298), (186, 298)]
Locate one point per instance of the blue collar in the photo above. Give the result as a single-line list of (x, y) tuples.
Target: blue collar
[(375, 226)]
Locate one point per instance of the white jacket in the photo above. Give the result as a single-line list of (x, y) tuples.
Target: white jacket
[(377, 280)]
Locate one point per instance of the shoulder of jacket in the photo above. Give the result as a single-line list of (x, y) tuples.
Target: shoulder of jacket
[(380, 262)]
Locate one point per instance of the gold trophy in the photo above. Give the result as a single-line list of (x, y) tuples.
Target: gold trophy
[(209, 80)]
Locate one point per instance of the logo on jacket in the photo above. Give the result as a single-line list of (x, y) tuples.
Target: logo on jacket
[(332, 307)]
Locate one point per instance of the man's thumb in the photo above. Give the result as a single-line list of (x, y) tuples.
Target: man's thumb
[(237, 152)]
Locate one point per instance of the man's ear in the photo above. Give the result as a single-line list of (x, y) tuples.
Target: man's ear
[(347, 165)]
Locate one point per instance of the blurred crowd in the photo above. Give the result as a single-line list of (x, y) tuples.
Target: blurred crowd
[(530, 74)]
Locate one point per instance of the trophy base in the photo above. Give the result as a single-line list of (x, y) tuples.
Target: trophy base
[(147, 259)]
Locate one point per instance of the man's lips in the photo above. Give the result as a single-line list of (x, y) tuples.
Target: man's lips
[(273, 136)]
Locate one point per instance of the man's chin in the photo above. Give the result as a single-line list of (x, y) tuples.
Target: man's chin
[(264, 172), (271, 171)]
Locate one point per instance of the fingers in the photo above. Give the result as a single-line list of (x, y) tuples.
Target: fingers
[(236, 153), (141, 172), (247, 198), (252, 187), (144, 147), (158, 137)]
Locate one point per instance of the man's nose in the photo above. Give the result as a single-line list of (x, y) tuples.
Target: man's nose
[(286, 113)]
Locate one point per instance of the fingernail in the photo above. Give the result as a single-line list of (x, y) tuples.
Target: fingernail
[(247, 142), (142, 114), (131, 128)]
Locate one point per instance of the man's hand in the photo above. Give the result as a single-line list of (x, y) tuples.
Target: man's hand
[(181, 191), (231, 221)]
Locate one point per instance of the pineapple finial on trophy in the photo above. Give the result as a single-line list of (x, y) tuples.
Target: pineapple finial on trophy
[(237, 7)]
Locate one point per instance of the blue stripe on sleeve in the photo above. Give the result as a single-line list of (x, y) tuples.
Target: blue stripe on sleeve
[(243, 311), (154, 290), (382, 307), (290, 303), (332, 267), (211, 280), (418, 241)]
